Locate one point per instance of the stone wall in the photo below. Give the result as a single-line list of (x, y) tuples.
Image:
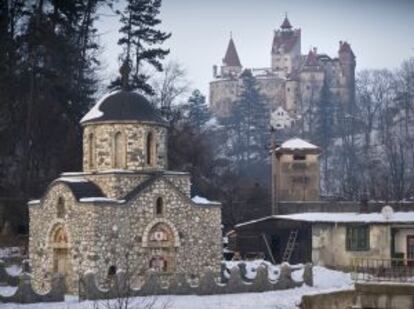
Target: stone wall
[(206, 284), (134, 154), (332, 300), (101, 235)]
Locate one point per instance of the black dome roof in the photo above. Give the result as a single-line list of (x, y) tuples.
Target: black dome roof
[(123, 106)]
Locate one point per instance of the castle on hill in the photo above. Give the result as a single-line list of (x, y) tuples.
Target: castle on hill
[(294, 82)]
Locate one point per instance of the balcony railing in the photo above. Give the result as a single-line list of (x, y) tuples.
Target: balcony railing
[(378, 270)]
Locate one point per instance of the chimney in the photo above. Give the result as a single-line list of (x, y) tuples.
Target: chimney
[(215, 71)]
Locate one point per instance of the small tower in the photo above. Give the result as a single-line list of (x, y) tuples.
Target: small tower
[(231, 62), (124, 132), (295, 172), (347, 63), (286, 48)]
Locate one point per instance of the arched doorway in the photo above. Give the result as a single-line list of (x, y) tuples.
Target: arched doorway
[(61, 252), (161, 246)]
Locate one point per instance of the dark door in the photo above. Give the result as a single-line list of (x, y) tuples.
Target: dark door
[(410, 250)]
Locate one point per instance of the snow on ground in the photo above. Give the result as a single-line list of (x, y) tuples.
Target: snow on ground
[(324, 280)]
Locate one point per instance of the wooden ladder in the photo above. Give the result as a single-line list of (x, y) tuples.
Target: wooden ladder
[(290, 246)]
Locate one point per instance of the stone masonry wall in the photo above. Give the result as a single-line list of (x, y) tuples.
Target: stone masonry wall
[(102, 235), (135, 139), (79, 222)]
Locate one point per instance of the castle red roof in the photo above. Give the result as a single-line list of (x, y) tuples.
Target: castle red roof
[(312, 58), (286, 24), (231, 58), (345, 47)]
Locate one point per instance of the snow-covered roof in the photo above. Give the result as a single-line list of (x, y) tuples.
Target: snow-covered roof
[(297, 143), (202, 200), (341, 217), (349, 217), (123, 105)]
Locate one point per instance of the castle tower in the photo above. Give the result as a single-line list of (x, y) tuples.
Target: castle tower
[(231, 66), (295, 172), (347, 82), (286, 48), (124, 132)]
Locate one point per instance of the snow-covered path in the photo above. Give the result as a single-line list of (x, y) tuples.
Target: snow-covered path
[(324, 280)]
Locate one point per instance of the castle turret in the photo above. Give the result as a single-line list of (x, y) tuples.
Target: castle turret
[(231, 62), (286, 48), (347, 63)]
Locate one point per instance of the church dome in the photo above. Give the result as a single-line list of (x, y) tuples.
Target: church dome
[(122, 106)]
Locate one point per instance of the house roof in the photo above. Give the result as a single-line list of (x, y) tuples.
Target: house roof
[(231, 57), (81, 187), (350, 217), (123, 105), (297, 144), (85, 191), (340, 218)]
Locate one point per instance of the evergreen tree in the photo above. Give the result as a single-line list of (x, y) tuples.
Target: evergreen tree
[(198, 113), (324, 128), (248, 121), (139, 41)]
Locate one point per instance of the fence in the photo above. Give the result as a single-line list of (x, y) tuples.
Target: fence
[(387, 270)]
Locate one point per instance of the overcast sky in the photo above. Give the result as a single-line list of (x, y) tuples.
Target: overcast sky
[(381, 32)]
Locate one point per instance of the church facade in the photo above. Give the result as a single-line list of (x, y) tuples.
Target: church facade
[(125, 211), (294, 82)]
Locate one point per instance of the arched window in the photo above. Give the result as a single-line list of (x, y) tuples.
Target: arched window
[(60, 207), (159, 207), (111, 271), (119, 150), (150, 149), (91, 151), (161, 248)]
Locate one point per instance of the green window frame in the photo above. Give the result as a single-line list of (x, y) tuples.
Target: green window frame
[(357, 238)]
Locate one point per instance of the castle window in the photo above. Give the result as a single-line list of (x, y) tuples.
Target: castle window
[(60, 207), (91, 151), (150, 149), (159, 207), (119, 150)]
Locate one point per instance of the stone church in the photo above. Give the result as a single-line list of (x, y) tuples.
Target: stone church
[(126, 210), (293, 82)]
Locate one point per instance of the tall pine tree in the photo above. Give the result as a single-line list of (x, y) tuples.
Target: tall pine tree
[(198, 113), (249, 121), (139, 40)]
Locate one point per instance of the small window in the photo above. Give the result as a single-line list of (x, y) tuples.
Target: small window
[(357, 238), (111, 271), (60, 208), (150, 149), (159, 207), (299, 157), (91, 150)]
